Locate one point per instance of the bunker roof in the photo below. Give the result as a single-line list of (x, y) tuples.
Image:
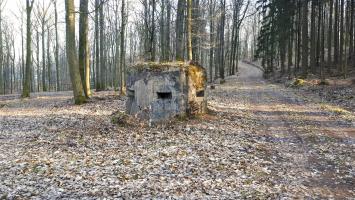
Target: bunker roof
[(162, 66)]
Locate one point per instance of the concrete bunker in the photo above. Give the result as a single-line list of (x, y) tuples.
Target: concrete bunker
[(161, 91)]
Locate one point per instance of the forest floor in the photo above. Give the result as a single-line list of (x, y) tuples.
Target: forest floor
[(261, 140)]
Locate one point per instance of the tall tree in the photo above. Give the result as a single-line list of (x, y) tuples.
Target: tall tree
[(167, 38), (152, 39), (336, 33), (196, 29), (341, 33), (211, 37), (313, 35), (330, 28), (180, 30), (84, 51), (237, 20), (56, 56), (162, 31), (221, 39), (72, 58), (43, 18), (103, 69), (27, 83), (305, 40), (189, 29), (98, 83), (49, 61), (351, 32), (123, 52), (1, 52), (117, 79)]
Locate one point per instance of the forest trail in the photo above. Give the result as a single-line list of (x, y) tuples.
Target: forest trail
[(306, 133), (261, 140)]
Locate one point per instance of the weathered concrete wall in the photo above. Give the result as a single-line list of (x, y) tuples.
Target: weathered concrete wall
[(158, 92)]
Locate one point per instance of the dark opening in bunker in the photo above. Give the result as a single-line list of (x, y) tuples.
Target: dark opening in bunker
[(165, 95), (130, 93), (200, 93)]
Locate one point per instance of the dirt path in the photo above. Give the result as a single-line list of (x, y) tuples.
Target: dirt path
[(306, 135), (261, 141)]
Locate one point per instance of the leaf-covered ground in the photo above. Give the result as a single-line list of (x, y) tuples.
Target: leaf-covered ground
[(259, 141)]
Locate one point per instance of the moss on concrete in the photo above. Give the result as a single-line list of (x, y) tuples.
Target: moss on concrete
[(198, 77), (156, 66)]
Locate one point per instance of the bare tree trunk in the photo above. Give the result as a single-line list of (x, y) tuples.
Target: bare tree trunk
[(84, 51), (313, 36), (44, 85), (167, 31), (49, 60), (117, 52), (97, 48), (102, 47), (189, 29), (195, 30), (341, 46), (299, 41), (180, 30), (322, 30), (211, 57), (38, 65), (1, 57), (235, 36), (56, 46), (123, 52), (13, 77), (22, 53), (152, 36), (351, 34), (27, 83), (346, 39), (336, 33), (305, 48), (330, 31), (290, 49), (221, 39), (71, 53), (162, 31), (353, 29)]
